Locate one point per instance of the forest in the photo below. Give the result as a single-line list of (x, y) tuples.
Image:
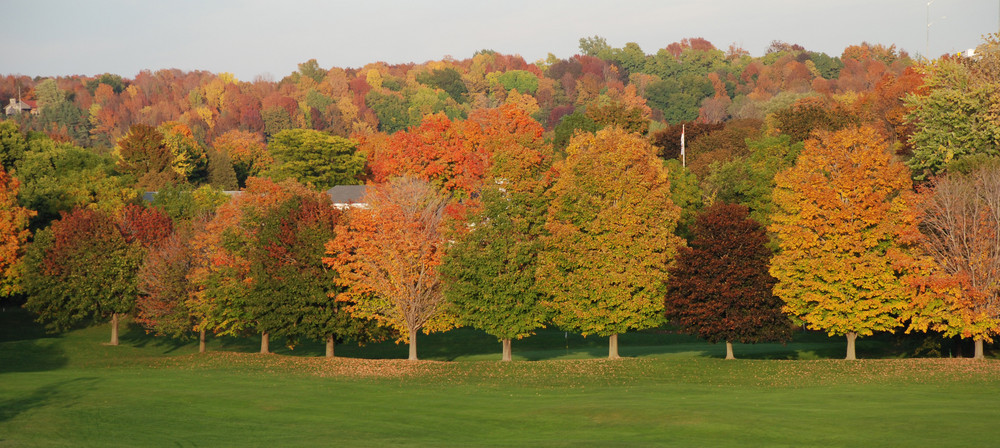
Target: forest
[(728, 196)]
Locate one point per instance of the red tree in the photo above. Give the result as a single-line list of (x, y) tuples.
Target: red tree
[(719, 287)]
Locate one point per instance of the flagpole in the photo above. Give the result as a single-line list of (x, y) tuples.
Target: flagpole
[(683, 155)]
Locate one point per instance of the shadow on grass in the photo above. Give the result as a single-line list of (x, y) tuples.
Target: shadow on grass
[(61, 393)]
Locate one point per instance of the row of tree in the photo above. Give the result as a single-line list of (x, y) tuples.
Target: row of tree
[(506, 226)]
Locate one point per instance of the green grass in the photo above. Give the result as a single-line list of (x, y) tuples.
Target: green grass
[(70, 390)]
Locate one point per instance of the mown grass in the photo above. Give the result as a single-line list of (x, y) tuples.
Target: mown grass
[(70, 390)]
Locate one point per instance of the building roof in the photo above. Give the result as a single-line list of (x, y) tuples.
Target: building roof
[(346, 194)]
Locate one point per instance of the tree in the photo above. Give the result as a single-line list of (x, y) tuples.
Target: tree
[(85, 265), (246, 151), (315, 157), (719, 287), (956, 292), (610, 236), (144, 154), (164, 286), (259, 265), (955, 115), (189, 159), (12, 144), (489, 269), (13, 234), (388, 257), (840, 213)]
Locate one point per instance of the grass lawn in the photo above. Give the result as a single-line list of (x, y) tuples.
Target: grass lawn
[(70, 390)]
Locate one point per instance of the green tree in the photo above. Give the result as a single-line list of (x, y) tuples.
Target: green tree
[(610, 236), (315, 157), (447, 79), (12, 144), (85, 265), (144, 154)]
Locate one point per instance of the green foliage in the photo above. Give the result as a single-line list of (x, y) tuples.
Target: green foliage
[(315, 157), (595, 46), (57, 177), (523, 81), (79, 269), (181, 203), (114, 81), (685, 193), (827, 66), (750, 180), (48, 94), (276, 119), (221, 174), (391, 110), (679, 98), (447, 79), (569, 125), (143, 153), (311, 69), (67, 119), (953, 119), (12, 144)]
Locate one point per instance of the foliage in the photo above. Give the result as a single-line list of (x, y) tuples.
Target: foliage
[(144, 154), (719, 286), (12, 144), (315, 157), (570, 125), (56, 177), (181, 203), (13, 234), (246, 151), (839, 215), (955, 283), (388, 256), (164, 286), (85, 265), (489, 269), (609, 236), (955, 116)]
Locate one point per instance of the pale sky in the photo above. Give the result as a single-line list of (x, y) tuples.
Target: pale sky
[(264, 37)]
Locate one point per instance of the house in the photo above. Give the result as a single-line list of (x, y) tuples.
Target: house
[(17, 106), (347, 196)]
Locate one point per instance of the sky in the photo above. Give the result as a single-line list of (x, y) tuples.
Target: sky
[(266, 38)]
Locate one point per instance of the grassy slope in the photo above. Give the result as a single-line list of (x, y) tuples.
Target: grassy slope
[(72, 391)]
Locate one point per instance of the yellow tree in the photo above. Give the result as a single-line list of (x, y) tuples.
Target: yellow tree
[(840, 213), (610, 236)]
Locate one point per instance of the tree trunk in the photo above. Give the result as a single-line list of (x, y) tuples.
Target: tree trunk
[(265, 340), (329, 346), (506, 349), (851, 336), (613, 347), (979, 349), (201, 341), (413, 346), (729, 350), (114, 328)]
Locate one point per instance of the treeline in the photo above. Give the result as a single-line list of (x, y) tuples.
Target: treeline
[(851, 194)]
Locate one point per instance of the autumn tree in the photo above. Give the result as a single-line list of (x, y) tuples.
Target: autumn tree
[(247, 152), (315, 157), (388, 256), (490, 266), (720, 288), (839, 214), (85, 265), (13, 234), (260, 269), (957, 291), (164, 286), (610, 236)]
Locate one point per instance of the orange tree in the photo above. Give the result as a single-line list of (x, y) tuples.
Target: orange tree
[(13, 234), (839, 215), (610, 236), (388, 255)]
